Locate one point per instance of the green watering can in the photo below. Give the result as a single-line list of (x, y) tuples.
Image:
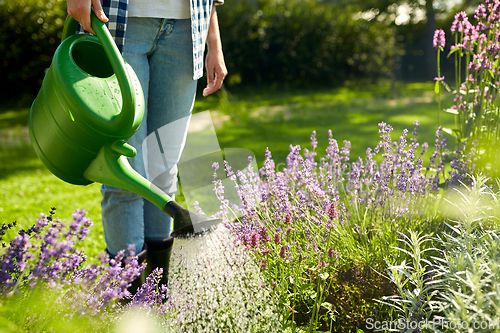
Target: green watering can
[(89, 105)]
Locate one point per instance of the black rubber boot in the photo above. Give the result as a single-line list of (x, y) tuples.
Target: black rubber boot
[(158, 256)]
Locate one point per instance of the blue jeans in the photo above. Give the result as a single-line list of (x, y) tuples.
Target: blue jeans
[(160, 52)]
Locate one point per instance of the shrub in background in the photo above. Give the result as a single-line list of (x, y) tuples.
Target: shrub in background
[(307, 42), (30, 31)]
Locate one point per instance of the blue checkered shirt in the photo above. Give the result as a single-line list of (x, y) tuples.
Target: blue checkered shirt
[(116, 11)]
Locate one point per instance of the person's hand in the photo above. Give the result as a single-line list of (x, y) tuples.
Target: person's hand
[(214, 63), (80, 11), (216, 71)]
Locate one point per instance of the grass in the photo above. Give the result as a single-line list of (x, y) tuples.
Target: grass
[(245, 118)]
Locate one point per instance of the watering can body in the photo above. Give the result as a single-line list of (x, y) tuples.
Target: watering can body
[(90, 103), (80, 106)]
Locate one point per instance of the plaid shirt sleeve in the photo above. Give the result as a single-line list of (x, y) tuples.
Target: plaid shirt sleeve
[(117, 12), (200, 20)]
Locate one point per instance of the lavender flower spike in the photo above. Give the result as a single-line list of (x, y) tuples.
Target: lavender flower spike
[(439, 39)]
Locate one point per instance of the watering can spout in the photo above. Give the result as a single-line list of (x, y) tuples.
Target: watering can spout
[(111, 167)]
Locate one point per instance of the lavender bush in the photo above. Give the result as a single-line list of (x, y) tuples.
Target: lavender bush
[(316, 217), (42, 270), (46, 285), (282, 266)]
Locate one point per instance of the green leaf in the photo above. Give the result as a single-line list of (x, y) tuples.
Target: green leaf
[(456, 49), (450, 110), (436, 87), (450, 131), (447, 130), (327, 305), (447, 87), (6, 326), (306, 286)]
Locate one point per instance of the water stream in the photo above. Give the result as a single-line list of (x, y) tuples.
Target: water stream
[(215, 286)]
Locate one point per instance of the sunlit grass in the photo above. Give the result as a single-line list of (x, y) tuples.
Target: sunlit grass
[(278, 120)]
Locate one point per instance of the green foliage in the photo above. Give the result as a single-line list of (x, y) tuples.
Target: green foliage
[(29, 34), (414, 300), (43, 309), (299, 41), (454, 288)]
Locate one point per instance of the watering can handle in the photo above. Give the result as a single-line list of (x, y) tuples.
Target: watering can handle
[(127, 114)]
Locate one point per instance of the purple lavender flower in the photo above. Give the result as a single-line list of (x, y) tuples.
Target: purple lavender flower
[(439, 39), (283, 250), (314, 142), (254, 240), (277, 238), (332, 211), (459, 22), (480, 12), (264, 237), (229, 172), (265, 250), (147, 294)]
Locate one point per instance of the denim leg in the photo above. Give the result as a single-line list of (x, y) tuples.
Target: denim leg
[(122, 211), (172, 92), (127, 218)]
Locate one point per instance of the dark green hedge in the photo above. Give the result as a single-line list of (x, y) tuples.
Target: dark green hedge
[(265, 42), (301, 41), (29, 34)]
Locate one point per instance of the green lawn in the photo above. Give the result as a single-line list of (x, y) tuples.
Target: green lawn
[(246, 118), (272, 119)]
